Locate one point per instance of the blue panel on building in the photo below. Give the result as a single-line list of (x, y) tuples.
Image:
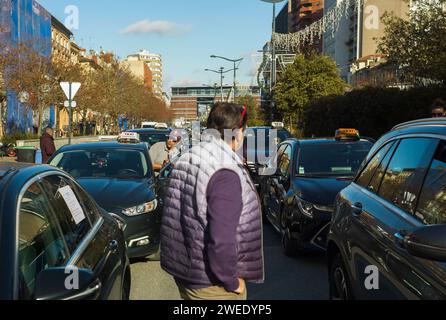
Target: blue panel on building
[(23, 21)]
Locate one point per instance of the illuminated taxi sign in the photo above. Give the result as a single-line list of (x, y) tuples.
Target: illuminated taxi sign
[(347, 134), (129, 137), (278, 125)]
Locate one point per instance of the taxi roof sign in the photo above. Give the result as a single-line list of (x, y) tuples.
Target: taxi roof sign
[(343, 134), (278, 125), (129, 137)]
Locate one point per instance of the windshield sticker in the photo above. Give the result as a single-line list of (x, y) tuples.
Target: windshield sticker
[(72, 204), (301, 170)]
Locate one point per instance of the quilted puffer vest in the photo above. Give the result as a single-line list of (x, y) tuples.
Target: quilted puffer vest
[(184, 223)]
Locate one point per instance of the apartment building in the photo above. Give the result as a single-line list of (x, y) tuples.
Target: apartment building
[(155, 63), (354, 45)]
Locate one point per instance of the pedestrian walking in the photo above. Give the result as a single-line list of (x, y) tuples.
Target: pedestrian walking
[(211, 234), (47, 145), (162, 153), (438, 109)]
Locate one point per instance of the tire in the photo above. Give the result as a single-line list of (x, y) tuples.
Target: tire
[(126, 291), (291, 246), (156, 256), (340, 288)]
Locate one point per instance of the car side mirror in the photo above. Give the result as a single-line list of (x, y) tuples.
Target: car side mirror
[(428, 243), (67, 283)]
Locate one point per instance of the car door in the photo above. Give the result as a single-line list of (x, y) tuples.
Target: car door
[(93, 241), (420, 278), (380, 208), (280, 185), (41, 242)]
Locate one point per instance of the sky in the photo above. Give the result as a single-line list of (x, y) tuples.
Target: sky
[(186, 33)]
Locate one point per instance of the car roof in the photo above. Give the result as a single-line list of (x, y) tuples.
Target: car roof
[(420, 123), (104, 145), (8, 167), (316, 141), (150, 130)]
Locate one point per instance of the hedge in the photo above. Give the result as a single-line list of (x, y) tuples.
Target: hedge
[(374, 111)]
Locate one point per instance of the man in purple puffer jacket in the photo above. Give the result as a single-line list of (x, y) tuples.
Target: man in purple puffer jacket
[(211, 234)]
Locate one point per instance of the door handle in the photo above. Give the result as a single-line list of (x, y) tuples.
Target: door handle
[(113, 246), (400, 238), (357, 209)]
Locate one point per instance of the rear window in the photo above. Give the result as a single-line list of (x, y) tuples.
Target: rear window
[(153, 138), (336, 159)]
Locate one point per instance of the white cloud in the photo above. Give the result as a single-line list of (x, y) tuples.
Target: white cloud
[(159, 27)]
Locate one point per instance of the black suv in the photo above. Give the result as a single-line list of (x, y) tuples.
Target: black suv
[(298, 199), (388, 234)]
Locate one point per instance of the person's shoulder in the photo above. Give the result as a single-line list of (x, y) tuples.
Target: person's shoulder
[(157, 145)]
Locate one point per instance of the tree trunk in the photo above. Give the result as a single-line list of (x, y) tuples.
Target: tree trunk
[(84, 123), (39, 117)]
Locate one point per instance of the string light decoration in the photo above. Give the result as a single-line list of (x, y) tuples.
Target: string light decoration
[(328, 23)]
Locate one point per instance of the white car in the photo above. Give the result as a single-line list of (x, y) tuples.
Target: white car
[(161, 126)]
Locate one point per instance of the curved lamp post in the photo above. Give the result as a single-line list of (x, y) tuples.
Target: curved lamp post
[(235, 70), (221, 71)]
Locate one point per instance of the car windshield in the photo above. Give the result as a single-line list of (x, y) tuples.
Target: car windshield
[(153, 138), (119, 164), (336, 159)]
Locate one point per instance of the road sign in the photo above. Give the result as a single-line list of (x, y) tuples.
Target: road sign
[(75, 86), (66, 104)]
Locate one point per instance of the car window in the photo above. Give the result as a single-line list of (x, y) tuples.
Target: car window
[(366, 175), (74, 221), (115, 163), (41, 243), (87, 203), (285, 161), (339, 159), (404, 177), (432, 205), (381, 170)]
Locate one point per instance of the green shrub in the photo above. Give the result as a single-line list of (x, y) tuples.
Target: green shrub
[(13, 138), (374, 111)]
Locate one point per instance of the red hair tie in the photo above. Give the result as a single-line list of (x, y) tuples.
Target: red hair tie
[(245, 110)]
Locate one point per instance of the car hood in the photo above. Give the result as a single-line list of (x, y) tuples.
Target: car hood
[(320, 191), (114, 195)]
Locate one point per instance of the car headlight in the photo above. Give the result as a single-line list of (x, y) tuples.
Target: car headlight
[(306, 208), (141, 209)]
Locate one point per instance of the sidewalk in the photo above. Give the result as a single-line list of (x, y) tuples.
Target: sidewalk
[(7, 159)]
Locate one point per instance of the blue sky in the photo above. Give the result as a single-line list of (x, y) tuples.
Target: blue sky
[(186, 33)]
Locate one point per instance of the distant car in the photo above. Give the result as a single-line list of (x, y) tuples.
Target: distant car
[(162, 126), (152, 136), (261, 143), (390, 223), (148, 125), (298, 199), (51, 228), (119, 176)]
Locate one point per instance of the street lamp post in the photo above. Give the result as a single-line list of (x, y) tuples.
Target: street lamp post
[(221, 71), (235, 70), (273, 55)]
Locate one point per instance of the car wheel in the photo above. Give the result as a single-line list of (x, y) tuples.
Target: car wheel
[(291, 246), (156, 256), (340, 288)]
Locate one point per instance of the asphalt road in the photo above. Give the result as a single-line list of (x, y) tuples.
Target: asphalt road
[(302, 278)]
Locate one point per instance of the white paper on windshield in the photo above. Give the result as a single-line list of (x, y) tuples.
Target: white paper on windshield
[(72, 204)]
